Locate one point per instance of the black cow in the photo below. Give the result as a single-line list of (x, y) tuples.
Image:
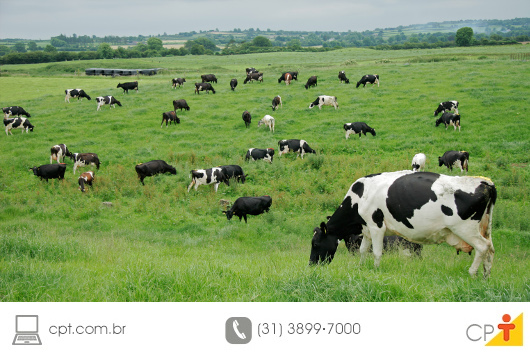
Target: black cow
[(180, 104), (50, 171), (208, 176), (153, 168), (358, 128), (204, 87), (170, 117), (75, 93), (15, 110), (58, 152), (254, 76), (247, 118), (84, 159), (449, 119), (249, 206), (372, 79), (110, 100), (449, 105), (85, 178), (234, 171), (312, 81), (298, 146), (294, 74), (209, 78), (458, 159), (177, 82), (259, 153), (276, 101), (18, 123), (233, 84), (343, 78), (127, 86)]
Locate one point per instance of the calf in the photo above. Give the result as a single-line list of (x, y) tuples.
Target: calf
[(75, 93), (84, 159), (153, 168), (247, 118), (358, 128), (267, 120), (418, 162), (85, 178), (58, 152), (343, 78), (298, 146), (170, 117), (209, 78), (255, 76), (180, 104), (276, 101), (18, 123), (444, 106), (15, 110), (294, 75), (249, 206), (50, 171), (371, 79), (455, 158), (324, 100), (449, 119), (233, 84), (204, 87), (127, 86), (208, 176), (258, 153), (234, 171), (110, 100), (177, 82), (312, 81)]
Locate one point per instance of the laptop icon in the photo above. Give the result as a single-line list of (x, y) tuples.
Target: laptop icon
[(27, 328)]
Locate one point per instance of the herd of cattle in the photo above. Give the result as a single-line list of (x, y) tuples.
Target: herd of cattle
[(409, 208)]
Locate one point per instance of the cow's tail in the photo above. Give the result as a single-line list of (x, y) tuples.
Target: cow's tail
[(486, 221)]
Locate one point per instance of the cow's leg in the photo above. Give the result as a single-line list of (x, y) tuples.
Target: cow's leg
[(245, 216), (377, 235), (216, 186), (366, 244), (192, 182)]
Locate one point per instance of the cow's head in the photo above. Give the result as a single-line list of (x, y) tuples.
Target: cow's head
[(372, 131), (323, 246), (229, 214), (440, 161), (438, 121), (171, 170), (35, 170)]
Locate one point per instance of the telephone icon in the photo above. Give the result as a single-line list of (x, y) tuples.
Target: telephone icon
[(241, 335), (238, 330)]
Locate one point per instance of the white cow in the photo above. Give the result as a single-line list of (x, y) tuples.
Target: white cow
[(418, 162), (267, 120), (208, 176), (324, 100)]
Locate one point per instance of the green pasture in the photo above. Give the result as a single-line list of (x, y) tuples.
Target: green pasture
[(160, 243)]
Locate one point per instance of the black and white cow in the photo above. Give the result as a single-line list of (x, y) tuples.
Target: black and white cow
[(372, 79), (151, 168), (343, 78), (58, 152), (85, 178), (127, 86), (233, 84), (110, 100), (358, 128), (424, 208), (209, 78), (17, 123), (249, 206), (15, 110), (254, 76), (267, 120), (233, 171), (294, 75), (180, 104), (250, 70), (299, 146), (247, 118), (206, 86), (449, 119), (444, 106), (75, 93), (84, 159), (170, 117), (458, 159), (276, 101), (259, 153), (177, 82), (324, 100), (50, 171), (418, 162), (208, 176), (312, 81)]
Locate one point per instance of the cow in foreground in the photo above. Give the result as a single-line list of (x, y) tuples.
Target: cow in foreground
[(343, 78), (445, 106), (458, 159), (324, 100), (170, 117), (299, 146), (180, 104), (312, 81), (233, 84), (233, 171), (50, 171), (15, 110), (58, 152), (249, 206), (18, 123), (449, 119), (110, 100), (84, 159), (267, 120), (371, 79), (247, 118), (127, 86), (85, 179), (75, 93), (259, 153), (418, 162), (206, 86), (208, 176), (276, 101), (177, 82), (151, 168), (358, 128), (424, 208)]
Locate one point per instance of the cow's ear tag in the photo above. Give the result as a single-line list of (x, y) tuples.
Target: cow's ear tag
[(323, 228)]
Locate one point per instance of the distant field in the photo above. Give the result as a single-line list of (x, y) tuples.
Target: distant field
[(160, 243)]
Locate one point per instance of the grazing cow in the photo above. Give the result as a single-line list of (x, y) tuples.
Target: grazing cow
[(180, 104), (444, 106), (85, 178), (75, 93), (58, 152), (250, 70), (288, 78), (18, 123), (234, 171), (424, 207), (358, 128), (254, 76), (84, 159), (371, 79), (50, 171), (455, 158), (312, 81), (233, 84), (208, 176), (267, 120), (259, 153), (276, 101), (170, 117), (177, 82), (153, 168), (110, 100), (249, 206), (298, 146), (324, 100), (343, 78), (247, 118), (390, 243), (204, 87), (209, 78), (294, 75), (418, 162), (127, 86), (449, 119), (15, 110)]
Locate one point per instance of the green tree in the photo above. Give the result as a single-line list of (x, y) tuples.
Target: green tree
[(105, 51), (262, 42), (32, 46), (58, 42), (50, 49), (155, 44), (4, 49), (197, 49), (464, 37), (19, 47)]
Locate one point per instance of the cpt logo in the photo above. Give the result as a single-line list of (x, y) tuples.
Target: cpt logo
[(510, 333)]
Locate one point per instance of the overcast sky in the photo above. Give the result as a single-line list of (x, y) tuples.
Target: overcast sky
[(42, 19)]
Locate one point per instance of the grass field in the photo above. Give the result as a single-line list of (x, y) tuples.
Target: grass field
[(160, 243)]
